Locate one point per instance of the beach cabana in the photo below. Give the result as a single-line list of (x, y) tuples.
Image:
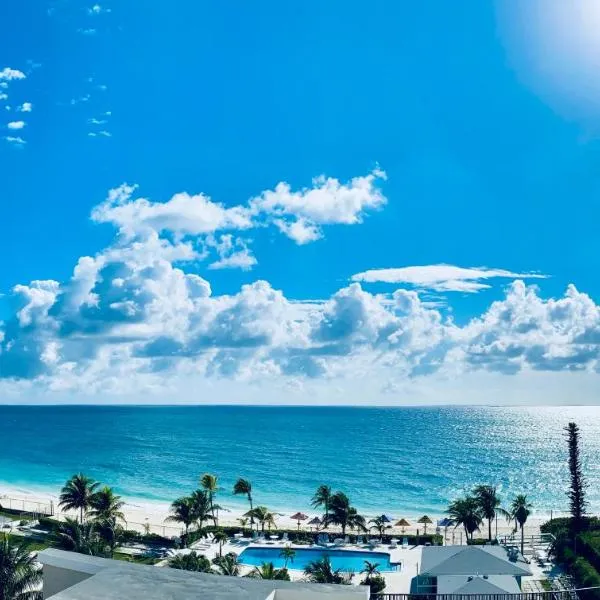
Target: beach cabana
[(299, 517), (315, 522), (402, 523), (425, 520)]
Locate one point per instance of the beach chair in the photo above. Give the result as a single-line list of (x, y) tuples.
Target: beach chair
[(346, 541), (359, 540), (285, 537), (405, 543), (394, 543)]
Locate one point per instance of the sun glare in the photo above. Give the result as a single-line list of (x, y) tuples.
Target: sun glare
[(554, 46)]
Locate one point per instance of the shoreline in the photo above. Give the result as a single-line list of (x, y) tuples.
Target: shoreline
[(142, 512)]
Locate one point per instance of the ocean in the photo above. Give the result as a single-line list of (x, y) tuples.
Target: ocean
[(406, 461)]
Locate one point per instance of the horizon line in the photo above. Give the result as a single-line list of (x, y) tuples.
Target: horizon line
[(248, 405)]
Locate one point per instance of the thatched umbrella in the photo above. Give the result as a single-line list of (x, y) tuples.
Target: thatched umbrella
[(316, 522), (402, 523), (299, 517), (425, 520), (386, 518)]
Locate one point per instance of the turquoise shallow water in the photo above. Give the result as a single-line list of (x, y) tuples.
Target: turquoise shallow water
[(404, 460), (347, 560)]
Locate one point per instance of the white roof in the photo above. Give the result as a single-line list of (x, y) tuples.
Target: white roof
[(115, 580), (471, 560), (466, 584)]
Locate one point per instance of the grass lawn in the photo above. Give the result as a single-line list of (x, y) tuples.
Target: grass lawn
[(149, 560), (32, 545)]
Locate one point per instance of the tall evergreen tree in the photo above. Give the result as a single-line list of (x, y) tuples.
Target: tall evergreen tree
[(578, 484)]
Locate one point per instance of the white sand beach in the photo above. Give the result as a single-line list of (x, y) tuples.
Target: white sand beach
[(141, 514)]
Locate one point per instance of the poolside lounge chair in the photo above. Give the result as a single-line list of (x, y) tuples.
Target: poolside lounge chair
[(338, 541), (285, 537), (359, 540), (394, 543), (405, 543)]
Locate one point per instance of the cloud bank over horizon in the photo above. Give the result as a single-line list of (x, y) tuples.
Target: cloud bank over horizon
[(137, 321)]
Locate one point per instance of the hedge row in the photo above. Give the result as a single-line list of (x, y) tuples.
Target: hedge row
[(584, 564)]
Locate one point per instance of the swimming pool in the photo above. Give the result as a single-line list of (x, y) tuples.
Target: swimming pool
[(347, 560)]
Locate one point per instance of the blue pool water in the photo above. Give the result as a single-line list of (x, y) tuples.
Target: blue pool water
[(347, 560)]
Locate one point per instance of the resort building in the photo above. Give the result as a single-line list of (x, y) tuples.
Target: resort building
[(72, 576), (470, 570)]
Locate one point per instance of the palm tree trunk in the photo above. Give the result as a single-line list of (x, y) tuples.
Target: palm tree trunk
[(81, 514), (490, 529), (522, 538)]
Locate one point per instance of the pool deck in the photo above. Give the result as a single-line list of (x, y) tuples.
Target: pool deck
[(396, 581)]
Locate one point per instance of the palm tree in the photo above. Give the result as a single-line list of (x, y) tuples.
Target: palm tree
[(263, 515), (228, 564), (78, 537), (106, 505), (380, 524), (466, 512), (322, 498), (373, 578), (202, 507), (371, 569), (109, 532), (191, 562), (243, 486), (77, 494), (210, 484), (344, 515), (288, 554), (19, 575), (489, 504), (183, 511), (520, 509), (220, 537), (321, 571), (268, 571)]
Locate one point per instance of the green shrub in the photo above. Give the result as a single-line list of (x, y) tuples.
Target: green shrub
[(584, 573), (588, 546), (375, 582), (481, 542), (47, 523)]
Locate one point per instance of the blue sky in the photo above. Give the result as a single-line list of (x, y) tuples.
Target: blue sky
[(452, 135)]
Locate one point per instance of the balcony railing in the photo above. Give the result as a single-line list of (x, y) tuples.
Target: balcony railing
[(592, 593)]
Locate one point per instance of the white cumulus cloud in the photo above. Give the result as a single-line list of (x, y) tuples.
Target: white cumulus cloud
[(299, 214), (25, 107), (16, 125), (441, 278), (233, 253), (8, 74), (16, 140)]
